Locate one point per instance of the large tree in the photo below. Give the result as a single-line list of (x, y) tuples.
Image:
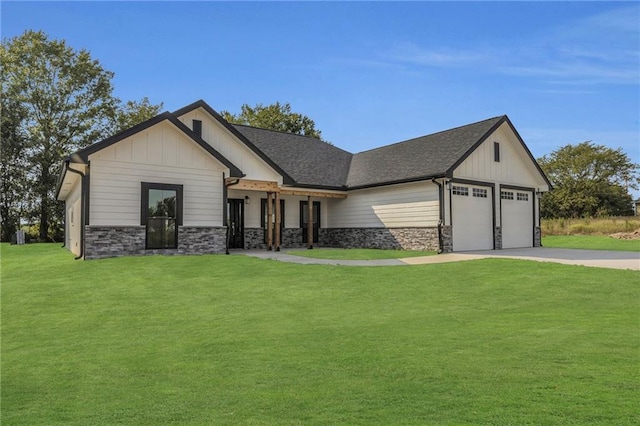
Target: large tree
[(65, 98), (589, 180), (274, 117), (13, 167)]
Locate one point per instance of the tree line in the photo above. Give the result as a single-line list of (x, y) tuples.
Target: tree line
[(56, 100)]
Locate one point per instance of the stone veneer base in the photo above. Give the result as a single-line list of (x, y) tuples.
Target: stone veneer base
[(424, 238), (113, 241), (380, 238)]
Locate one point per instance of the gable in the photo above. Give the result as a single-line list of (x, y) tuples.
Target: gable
[(229, 145), (516, 167), (161, 144)]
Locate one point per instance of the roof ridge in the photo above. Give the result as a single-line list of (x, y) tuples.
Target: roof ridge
[(432, 134), (277, 131)]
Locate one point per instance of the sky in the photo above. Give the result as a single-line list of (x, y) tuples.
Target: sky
[(373, 73)]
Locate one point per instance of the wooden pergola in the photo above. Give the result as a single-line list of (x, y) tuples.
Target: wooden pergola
[(274, 191)]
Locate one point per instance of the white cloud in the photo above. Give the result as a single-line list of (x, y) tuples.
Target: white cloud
[(603, 48)]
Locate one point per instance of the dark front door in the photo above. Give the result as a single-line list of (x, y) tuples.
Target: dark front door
[(236, 223), (304, 220)]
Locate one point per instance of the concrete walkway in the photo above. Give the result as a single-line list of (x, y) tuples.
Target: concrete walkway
[(594, 258)]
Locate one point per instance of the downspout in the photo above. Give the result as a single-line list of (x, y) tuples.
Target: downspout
[(224, 209), (441, 218), (82, 212), (64, 220)]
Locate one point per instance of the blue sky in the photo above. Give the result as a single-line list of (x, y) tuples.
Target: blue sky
[(371, 74)]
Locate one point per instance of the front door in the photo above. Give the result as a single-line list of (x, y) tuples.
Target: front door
[(304, 218), (236, 222)]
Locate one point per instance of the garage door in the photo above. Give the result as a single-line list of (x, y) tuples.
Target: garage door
[(517, 218), (472, 214)]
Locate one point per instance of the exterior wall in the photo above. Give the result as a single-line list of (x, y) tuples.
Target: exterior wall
[(160, 154), (537, 237), (73, 207), (291, 238), (113, 241), (514, 167), (408, 205), (424, 238), (230, 147)]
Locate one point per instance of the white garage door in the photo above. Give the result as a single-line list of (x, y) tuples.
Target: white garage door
[(472, 215), (517, 218)]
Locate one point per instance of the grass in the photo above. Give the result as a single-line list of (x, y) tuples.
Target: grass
[(360, 254), (237, 340), (590, 226), (590, 242)]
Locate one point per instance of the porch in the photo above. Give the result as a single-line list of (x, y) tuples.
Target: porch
[(265, 215)]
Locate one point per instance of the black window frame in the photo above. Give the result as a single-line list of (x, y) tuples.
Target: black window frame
[(496, 152), (144, 208), (460, 190)]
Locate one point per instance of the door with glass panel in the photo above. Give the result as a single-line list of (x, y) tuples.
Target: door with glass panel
[(162, 205)]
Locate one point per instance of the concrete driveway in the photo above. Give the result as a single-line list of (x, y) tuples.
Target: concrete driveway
[(595, 258)]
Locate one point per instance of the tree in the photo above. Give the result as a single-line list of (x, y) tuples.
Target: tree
[(589, 180), (274, 117), (132, 113), (66, 102), (13, 167)]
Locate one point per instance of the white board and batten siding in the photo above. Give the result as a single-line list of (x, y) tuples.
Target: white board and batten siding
[(230, 147), (73, 206), (514, 168), (396, 206), (159, 154)]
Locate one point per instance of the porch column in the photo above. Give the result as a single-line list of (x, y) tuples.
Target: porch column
[(269, 221), (309, 223), (278, 221)]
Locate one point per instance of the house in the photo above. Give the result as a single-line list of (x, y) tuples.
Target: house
[(189, 182)]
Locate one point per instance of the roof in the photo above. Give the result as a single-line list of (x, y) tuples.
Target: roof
[(430, 156), (308, 160)]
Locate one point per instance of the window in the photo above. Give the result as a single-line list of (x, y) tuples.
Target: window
[(496, 152), (161, 214), (506, 195), (197, 127), (522, 196), (480, 193), (460, 190)]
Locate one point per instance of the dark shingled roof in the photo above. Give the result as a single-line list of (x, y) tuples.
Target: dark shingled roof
[(425, 157), (309, 161)]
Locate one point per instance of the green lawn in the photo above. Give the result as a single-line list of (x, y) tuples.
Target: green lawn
[(360, 254), (238, 340), (590, 242)]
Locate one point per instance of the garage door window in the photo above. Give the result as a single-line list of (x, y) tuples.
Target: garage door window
[(480, 193), (460, 190), (523, 196), (506, 195)]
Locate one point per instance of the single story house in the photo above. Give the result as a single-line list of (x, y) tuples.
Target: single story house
[(189, 182)]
